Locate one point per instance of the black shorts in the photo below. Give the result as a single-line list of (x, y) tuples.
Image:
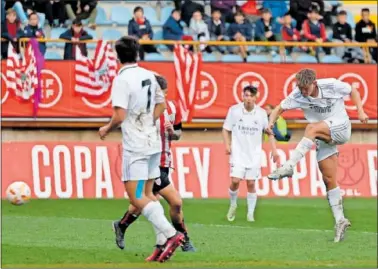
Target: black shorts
[(162, 181)]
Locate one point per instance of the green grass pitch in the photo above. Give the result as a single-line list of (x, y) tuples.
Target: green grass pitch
[(287, 233)]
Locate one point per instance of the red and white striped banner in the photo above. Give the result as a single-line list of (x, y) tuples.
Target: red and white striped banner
[(95, 77), (187, 70)]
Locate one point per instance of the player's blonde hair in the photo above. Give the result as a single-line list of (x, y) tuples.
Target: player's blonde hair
[(305, 77)]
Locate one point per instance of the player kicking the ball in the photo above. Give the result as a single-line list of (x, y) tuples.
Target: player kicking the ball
[(137, 103), (322, 101), (242, 134), (170, 127)]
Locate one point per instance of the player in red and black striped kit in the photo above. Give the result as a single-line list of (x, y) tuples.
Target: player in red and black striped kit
[(170, 129)]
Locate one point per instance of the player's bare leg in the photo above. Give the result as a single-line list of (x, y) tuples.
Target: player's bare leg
[(233, 191), (318, 130), (251, 200), (170, 194), (328, 168)]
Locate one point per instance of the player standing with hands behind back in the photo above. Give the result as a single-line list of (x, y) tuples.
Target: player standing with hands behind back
[(322, 101), (243, 134), (137, 103)]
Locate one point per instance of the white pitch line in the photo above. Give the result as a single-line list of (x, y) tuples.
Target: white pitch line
[(231, 226)]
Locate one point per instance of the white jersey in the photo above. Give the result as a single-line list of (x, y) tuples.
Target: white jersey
[(329, 103), (136, 90), (247, 129)]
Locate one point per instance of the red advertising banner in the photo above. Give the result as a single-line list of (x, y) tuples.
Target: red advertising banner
[(221, 86), (92, 170)]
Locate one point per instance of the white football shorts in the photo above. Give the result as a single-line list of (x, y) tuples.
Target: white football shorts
[(245, 173), (341, 130), (140, 167)]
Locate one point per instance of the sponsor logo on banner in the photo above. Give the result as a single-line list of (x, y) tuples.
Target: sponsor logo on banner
[(250, 79), (91, 170), (289, 85), (4, 88), (357, 82), (52, 89), (208, 92)]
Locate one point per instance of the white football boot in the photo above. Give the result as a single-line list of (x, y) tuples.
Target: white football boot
[(281, 172), (231, 213), (340, 229)]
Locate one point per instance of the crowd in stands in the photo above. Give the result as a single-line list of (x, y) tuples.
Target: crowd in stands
[(231, 20)]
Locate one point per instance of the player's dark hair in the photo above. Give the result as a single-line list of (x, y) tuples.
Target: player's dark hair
[(365, 10), (31, 14), (127, 49), (162, 82), (138, 8), (253, 90)]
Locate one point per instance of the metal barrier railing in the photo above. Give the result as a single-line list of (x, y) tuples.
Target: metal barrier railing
[(281, 44)]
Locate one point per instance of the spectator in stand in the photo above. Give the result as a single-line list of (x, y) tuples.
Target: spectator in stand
[(250, 9), (315, 31), (11, 31), (189, 7), (217, 29), (23, 8), (240, 30), (53, 10), (140, 28), (299, 10), (289, 33), (199, 30), (342, 33), (83, 9), (278, 9), (32, 30), (75, 34), (227, 9), (172, 29), (366, 31), (267, 29)]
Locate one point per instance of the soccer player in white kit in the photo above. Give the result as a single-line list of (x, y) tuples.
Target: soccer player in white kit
[(322, 101), (137, 103), (243, 134)]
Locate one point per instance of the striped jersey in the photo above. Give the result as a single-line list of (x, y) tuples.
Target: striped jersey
[(329, 103), (173, 115)]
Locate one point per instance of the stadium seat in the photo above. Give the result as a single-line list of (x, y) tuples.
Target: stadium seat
[(208, 57), (55, 34), (155, 57), (53, 55), (158, 35), (304, 58), (94, 35), (101, 18), (120, 15), (111, 34), (165, 13), (331, 59), (230, 58), (42, 19), (150, 14), (350, 19), (277, 59), (258, 58)]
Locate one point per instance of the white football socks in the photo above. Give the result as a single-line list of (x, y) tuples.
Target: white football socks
[(154, 213), (335, 201), (233, 197), (160, 238), (251, 202), (300, 151)]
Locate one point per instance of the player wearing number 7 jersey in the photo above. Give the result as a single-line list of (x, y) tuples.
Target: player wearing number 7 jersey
[(137, 103), (322, 101)]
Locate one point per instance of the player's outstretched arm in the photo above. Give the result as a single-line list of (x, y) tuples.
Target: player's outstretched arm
[(273, 147), (356, 99), (119, 115), (277, 111)]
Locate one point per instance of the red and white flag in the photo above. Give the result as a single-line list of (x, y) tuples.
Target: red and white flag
[(22, 73), (95, 77), (188, 69)]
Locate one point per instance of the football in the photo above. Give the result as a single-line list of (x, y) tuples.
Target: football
[(18, 193)]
